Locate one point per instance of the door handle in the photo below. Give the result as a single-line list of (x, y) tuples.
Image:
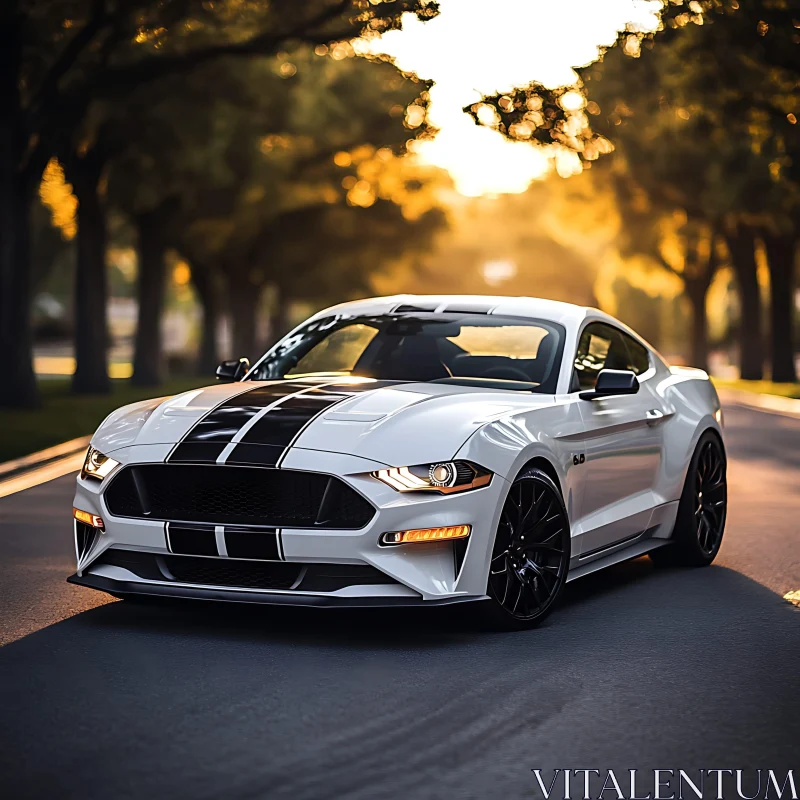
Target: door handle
[(654, 415)]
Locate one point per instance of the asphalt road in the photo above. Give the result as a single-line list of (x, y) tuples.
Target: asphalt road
[(638, 668)]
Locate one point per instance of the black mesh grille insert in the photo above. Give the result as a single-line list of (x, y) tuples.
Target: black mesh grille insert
[(222, 494), (234, 573), (229, 572)]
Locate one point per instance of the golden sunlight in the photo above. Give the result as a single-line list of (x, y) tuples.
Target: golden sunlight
[(470, 52), (56, 194)]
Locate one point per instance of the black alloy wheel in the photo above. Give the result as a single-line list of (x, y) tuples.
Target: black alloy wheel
[(700, 522), (530, 558), (710, 498)]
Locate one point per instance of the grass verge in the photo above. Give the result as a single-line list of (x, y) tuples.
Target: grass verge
[(761, 387), (63, 416)]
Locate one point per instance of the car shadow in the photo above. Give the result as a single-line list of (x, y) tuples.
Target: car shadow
[(384, 628), (638, 667), (353, 628)]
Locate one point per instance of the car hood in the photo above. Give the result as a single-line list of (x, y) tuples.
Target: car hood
[(393, 423)]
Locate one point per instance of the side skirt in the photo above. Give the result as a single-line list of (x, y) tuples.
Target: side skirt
[(638, 548)]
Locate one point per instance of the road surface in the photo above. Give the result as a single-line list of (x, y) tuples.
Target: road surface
[(638, 668)]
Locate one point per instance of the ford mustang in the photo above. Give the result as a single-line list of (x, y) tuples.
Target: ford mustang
[(410, 451)]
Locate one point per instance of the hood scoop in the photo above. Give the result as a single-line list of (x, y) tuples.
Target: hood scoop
[(374, 406)]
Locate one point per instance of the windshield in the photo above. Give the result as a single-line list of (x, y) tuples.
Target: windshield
[(472, 349)]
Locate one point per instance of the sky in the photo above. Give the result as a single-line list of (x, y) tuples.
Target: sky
[(470, 51)]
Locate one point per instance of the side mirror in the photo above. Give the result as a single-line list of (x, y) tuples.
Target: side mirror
[(612, 382), (230, 371)]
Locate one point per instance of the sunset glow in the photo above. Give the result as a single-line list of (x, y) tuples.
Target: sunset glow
[(469, 52)]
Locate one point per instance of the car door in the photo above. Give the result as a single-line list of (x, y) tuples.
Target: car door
[(623, 441)]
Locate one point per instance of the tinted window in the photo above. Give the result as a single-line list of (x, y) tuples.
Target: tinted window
[(603, 347), (639, 357), (458, 347)]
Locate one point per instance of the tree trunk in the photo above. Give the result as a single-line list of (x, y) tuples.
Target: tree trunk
[(780, 255), (207, 291), (148, 359), (244, 300), (91, 281), (751, 346), (18, 387), (696, 291)]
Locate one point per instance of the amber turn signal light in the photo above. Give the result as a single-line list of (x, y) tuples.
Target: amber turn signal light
[(426, 535), (88, 519)]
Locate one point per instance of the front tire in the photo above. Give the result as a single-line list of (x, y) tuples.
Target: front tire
[(700, 523), (530, 557)]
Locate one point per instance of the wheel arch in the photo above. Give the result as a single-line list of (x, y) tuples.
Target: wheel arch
[(519, 556), (701, 432), (546, 466), (717, 435)]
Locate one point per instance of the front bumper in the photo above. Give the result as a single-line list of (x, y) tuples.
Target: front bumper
[(122, 588), (418, 574)]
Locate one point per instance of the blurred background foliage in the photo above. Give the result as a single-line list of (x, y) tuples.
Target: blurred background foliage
[(183, 181), (694, 128)]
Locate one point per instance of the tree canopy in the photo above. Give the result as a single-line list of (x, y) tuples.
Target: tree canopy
[(700, 118), (61, 60)]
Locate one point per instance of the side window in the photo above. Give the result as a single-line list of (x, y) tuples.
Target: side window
[(639, 358), (600, 347)]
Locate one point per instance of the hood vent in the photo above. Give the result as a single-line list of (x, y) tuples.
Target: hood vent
[(415, 308), (468, 308)]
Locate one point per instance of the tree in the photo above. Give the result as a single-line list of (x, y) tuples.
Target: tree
[(747, 72), (58, 57), (170, 141), (349, 246), (266, 222), (700, 114), (687, 248)]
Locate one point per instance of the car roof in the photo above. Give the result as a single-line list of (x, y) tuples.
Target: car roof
[(568, 314)]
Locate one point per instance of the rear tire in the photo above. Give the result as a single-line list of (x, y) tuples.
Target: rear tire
[(700, 523), (531, 553)]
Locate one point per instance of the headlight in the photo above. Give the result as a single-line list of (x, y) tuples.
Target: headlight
[(96, 465), (444, 477)]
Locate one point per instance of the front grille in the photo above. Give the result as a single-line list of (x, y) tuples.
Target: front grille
[(237, 574), (229, 572), (221, 494)]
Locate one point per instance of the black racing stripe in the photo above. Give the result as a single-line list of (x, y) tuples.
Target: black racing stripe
[(280, 426), (262, 455), (221, 424), (191, 540), (207, 438), (285, 421), (252, 543), (197, 452)]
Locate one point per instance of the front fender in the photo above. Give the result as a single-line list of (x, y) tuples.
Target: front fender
[(552, 432)]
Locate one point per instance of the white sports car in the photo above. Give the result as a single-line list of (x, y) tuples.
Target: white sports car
[(410, 451)]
